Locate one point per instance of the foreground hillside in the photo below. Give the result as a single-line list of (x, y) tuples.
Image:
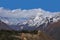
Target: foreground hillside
[(14, 35)]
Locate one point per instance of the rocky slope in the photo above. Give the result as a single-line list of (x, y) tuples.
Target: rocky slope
[(53, 30), (4, 26)]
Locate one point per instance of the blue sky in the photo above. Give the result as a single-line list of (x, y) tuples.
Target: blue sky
[(49, 5)]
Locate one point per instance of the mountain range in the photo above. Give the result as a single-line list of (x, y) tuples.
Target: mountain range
[(41, 20)]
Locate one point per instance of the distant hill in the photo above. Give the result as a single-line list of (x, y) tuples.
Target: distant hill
[(4, 26)]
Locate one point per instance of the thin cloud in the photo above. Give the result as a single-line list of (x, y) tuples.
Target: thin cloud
[(18, 13)]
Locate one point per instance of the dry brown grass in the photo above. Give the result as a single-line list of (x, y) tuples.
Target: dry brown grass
[(29, 36)]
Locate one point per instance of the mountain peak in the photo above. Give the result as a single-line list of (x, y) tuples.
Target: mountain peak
[(32, 16)]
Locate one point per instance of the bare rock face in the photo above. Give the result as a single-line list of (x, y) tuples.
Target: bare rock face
[(53, 30)]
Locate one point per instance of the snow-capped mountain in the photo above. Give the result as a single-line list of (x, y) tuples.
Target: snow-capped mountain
[(11, 21), (28, 18), (41, 18), (40, 21), (37, 20)]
